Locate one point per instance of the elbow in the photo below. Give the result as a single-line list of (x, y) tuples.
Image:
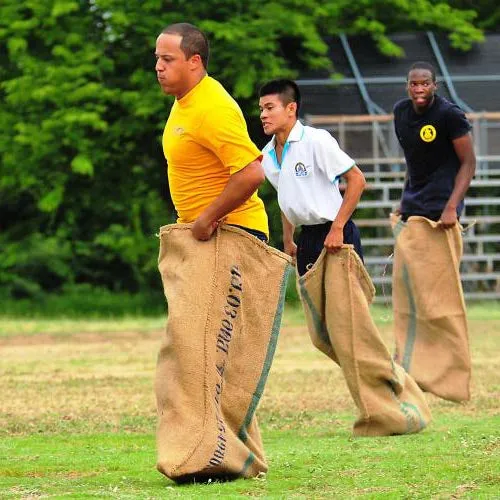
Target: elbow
[(473, 166), (253, 182), (260, 178), (361, 181), (256, 183), (469, 166), (258, 175)]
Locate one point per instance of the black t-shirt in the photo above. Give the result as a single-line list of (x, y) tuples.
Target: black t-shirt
[(431, 160)]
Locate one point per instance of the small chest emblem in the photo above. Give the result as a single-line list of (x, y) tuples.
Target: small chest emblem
[(178, 130), (301, 170), (428, 133)]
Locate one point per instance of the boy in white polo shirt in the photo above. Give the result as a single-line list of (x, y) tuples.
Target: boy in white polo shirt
[(304, 164)]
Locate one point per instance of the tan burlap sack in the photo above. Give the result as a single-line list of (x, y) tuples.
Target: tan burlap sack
[(225, 300), (336, 293), (429, 309)]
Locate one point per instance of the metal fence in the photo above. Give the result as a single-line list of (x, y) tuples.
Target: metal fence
[(371, 140)]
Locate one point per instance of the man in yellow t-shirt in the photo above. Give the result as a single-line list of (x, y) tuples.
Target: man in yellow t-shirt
[(214, 168), (206, 393)]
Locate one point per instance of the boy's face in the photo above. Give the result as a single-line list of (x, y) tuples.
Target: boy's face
[(274, 115)]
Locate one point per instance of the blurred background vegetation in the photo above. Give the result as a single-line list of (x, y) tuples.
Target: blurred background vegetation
[(83, 186)]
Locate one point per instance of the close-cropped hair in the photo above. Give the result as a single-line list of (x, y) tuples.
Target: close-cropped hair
[(424, 65), (193, 42), (287, 90)]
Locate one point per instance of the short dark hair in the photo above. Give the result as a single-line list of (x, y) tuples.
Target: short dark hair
[(424, 65), (287, 90), (194, 41)]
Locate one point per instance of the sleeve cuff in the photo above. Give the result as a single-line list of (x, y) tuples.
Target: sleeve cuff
[(337, 177)]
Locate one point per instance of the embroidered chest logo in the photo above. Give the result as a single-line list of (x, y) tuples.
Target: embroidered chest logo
[(428, 133), (301, 170), (178, 130)]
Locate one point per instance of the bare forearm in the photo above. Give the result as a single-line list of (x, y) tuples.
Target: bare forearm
[(464, 149), (288, 229), (462, 183), (355, 186), (239, 188), (289, 245)]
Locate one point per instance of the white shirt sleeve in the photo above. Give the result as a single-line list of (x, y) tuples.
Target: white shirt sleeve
[(329, 157)]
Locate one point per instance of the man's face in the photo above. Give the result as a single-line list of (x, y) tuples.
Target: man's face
[(274, 115), (421, 88), (172, 68)]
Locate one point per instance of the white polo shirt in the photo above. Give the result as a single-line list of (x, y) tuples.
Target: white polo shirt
[(307, 179)]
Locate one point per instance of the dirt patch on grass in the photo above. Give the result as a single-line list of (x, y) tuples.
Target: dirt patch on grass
[(78, 337), (103, 381)]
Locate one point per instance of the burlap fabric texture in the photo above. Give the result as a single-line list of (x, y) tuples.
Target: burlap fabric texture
[(225, 300), (336, 294), (430, 320)]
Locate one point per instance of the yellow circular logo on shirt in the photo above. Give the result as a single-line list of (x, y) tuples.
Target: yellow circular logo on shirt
[(427, 133)]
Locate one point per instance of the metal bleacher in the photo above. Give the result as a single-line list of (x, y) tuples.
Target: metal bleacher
[(356, 110), (480, 269)]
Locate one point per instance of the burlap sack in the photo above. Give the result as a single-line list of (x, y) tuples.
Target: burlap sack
[(429, 309), (225, 300), (336, 293)]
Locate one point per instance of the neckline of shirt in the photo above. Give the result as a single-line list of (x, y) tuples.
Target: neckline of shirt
[(295, 135), (186, 99)]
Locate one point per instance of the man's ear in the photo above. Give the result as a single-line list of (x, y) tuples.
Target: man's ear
[(292, 106), (196, 61)]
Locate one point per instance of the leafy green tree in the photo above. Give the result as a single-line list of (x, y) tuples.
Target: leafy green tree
[(487, 11), (82, 178), (80, 161)]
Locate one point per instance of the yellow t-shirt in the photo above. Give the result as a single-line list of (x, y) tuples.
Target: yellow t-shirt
[(205, 141)]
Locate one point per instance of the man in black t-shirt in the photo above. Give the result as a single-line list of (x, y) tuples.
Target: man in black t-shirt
[(437, 144), (430, 322)]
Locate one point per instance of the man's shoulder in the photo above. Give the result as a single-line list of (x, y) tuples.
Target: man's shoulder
[(216, 108), (443, 103), (215, 94), (314, 131), (211, 83), (448, 107), (315, 135), (454, 118)]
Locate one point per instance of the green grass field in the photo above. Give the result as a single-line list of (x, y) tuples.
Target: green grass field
[(78, 418)]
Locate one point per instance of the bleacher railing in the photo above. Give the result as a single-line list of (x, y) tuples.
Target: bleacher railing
[(361, 136)]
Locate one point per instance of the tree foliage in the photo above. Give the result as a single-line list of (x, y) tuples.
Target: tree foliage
[(487, 12), (82, 178)]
